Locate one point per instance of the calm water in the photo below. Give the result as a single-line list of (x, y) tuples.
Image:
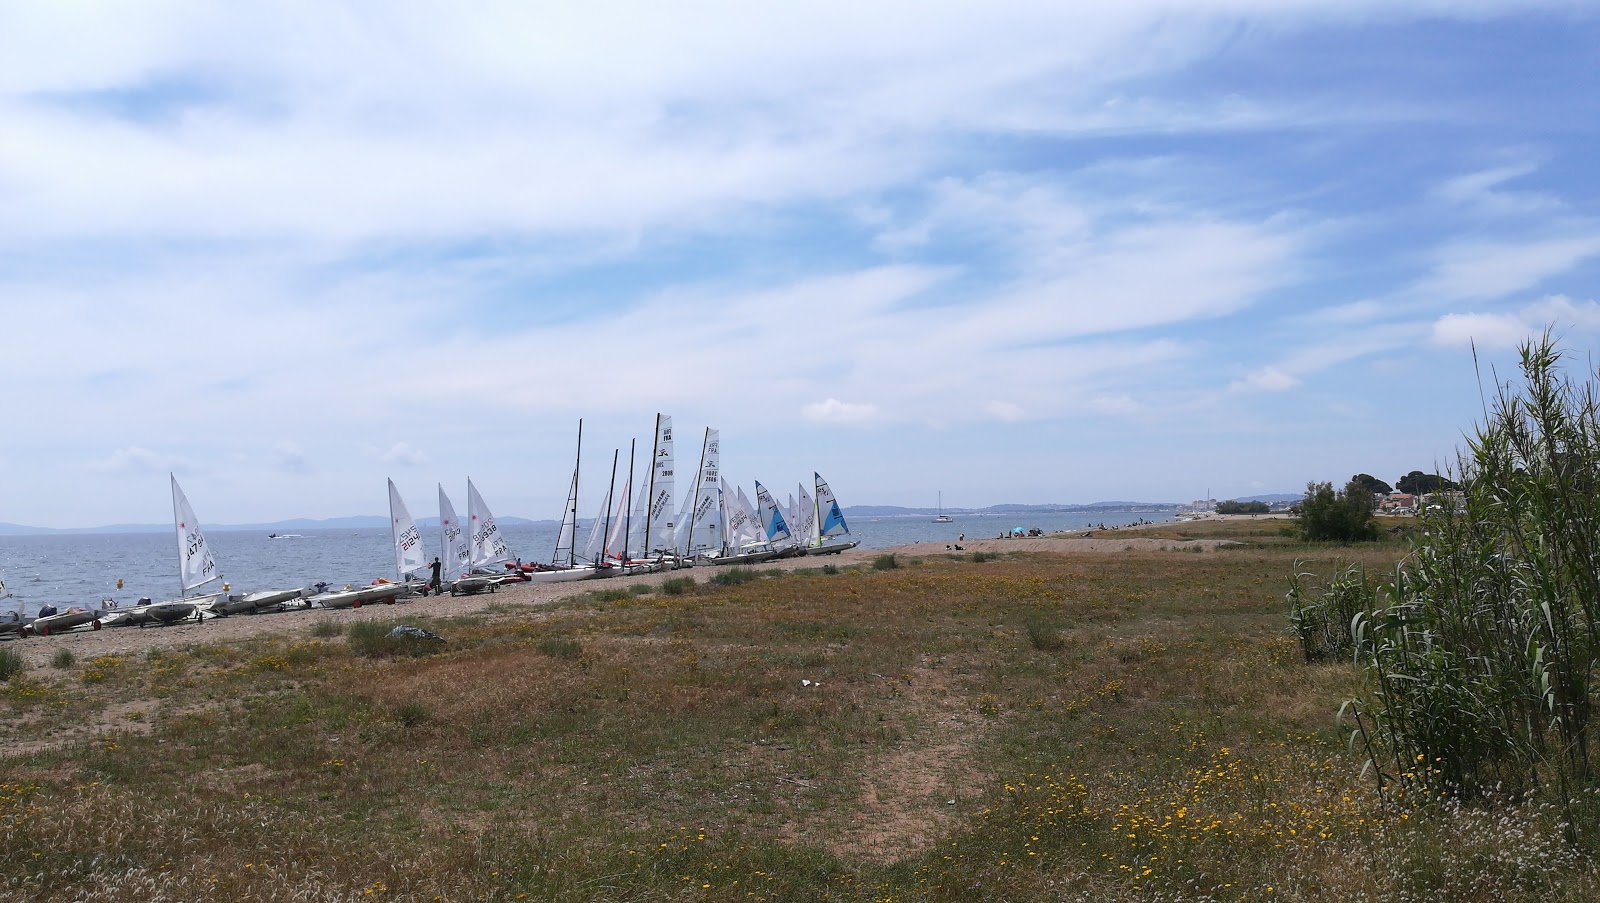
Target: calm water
[(78, 569)]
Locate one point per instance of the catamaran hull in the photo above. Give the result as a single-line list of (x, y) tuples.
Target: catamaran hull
[(472, 586), (562, 575)]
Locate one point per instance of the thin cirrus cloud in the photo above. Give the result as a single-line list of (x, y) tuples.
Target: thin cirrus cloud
[(288, 236)]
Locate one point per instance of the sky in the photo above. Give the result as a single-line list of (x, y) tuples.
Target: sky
[(1019, 251)]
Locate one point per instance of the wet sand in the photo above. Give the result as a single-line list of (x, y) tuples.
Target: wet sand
[(87, 644)]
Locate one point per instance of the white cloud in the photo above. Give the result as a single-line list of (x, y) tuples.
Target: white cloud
[(1116, 405), (835, 411), (403, 455), (1508, 330), (1004, 410), (1483, 190), (1490, 270), (1266, 379), (291, 458)]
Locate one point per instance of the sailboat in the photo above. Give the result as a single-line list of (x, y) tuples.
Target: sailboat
[(14, 623), (485, 547), (564, 564), (196, 568), (829, 522), (941, 517)]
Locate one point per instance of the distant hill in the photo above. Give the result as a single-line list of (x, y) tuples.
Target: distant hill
[(1269, 499), (898, 511)]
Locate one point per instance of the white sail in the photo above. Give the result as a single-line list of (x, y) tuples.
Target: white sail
[(487, 545), (677, 540), (659, 526), (638, 525), (3, 591), (705, 521), (616, 542), (455, 557), (830, 520), (407, 541), (806, 522), (773, 523), (568, 537), (594, 549), (195, 565), (750, 528)]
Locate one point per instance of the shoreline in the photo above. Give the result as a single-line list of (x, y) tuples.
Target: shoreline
[(87, 645)]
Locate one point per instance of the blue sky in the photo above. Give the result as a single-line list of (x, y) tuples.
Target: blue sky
[(1013, 252)]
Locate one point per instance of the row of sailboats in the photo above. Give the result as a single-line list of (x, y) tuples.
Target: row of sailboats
[(634, 532)]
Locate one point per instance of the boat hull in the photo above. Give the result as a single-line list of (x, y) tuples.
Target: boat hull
[(253, 602), (62, 622), (833, 549)]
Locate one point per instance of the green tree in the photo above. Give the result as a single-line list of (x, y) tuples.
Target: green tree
[(1372, 483), (1418, 483), (1232, 507), (1343, 516)]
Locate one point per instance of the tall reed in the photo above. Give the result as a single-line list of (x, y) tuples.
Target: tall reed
[(1480, 656)]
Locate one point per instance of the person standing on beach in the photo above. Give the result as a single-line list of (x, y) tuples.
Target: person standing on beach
[(435, 582)]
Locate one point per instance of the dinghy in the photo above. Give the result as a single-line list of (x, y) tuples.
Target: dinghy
[(829, 522)]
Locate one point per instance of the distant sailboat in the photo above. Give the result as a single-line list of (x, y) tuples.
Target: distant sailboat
[(941, 517)]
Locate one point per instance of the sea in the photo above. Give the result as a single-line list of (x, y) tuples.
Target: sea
[(87, 568)]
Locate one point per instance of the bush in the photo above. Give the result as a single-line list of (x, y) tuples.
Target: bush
[(830, 569), (885, 563), (560, 647), (11, 664), (1323, 622), (1043, 635), (610, 595), (735, 576), (677, 586), (327, 627), (1343, 516), (641, 589), (981, 557), (63, 659), (1231, 507)]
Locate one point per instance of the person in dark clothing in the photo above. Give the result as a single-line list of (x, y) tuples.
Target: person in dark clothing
[(435, 582)]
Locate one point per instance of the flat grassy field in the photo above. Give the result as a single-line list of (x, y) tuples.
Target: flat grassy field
[(1133, 725)]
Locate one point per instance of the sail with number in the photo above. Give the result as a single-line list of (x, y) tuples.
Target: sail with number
[(705, 521), (454, 557), (195, 564), (407, 540), (773, 522), (486, 544), (659, 522), (830, 520), (805, 521)]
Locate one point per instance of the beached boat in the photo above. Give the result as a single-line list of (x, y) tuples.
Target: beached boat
[(196, 568), (829, 522), (357, 596), (62, 621)]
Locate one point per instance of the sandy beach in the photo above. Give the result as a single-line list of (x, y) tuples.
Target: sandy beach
[(88, 644)]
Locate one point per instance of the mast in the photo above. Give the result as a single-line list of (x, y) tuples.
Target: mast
[(694, 510), (572, 510), (605, 541), (627, 515), (655, 452)]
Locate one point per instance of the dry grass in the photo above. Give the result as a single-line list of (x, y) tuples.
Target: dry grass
[(1126, 726)]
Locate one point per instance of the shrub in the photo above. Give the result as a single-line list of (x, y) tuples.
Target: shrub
[(1043, 635), (830, 569), (641, 589), (677, 586), (560, 647), (735, 576), (1323, 622), (885, 562), (327, 627), (411, 714), (1343, 516), (981, 557), (610, 595), (63, 659), (11, 663)]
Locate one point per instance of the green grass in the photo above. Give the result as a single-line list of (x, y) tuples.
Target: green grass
[(885, 563), (11, 664), (794, 739), (63, 659), (677, 586)]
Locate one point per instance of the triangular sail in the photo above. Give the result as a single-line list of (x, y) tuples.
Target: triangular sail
[(594, 549), (773, 522), (487, 545), (830, 520), (616, 542), (806, 523), (407, 541), (455, 556), (705, 521), (750, 528), (567, 538), (659, 524), (195, 564), (678, 539)]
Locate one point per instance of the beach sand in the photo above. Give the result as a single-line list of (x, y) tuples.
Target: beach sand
[(89, 644)]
